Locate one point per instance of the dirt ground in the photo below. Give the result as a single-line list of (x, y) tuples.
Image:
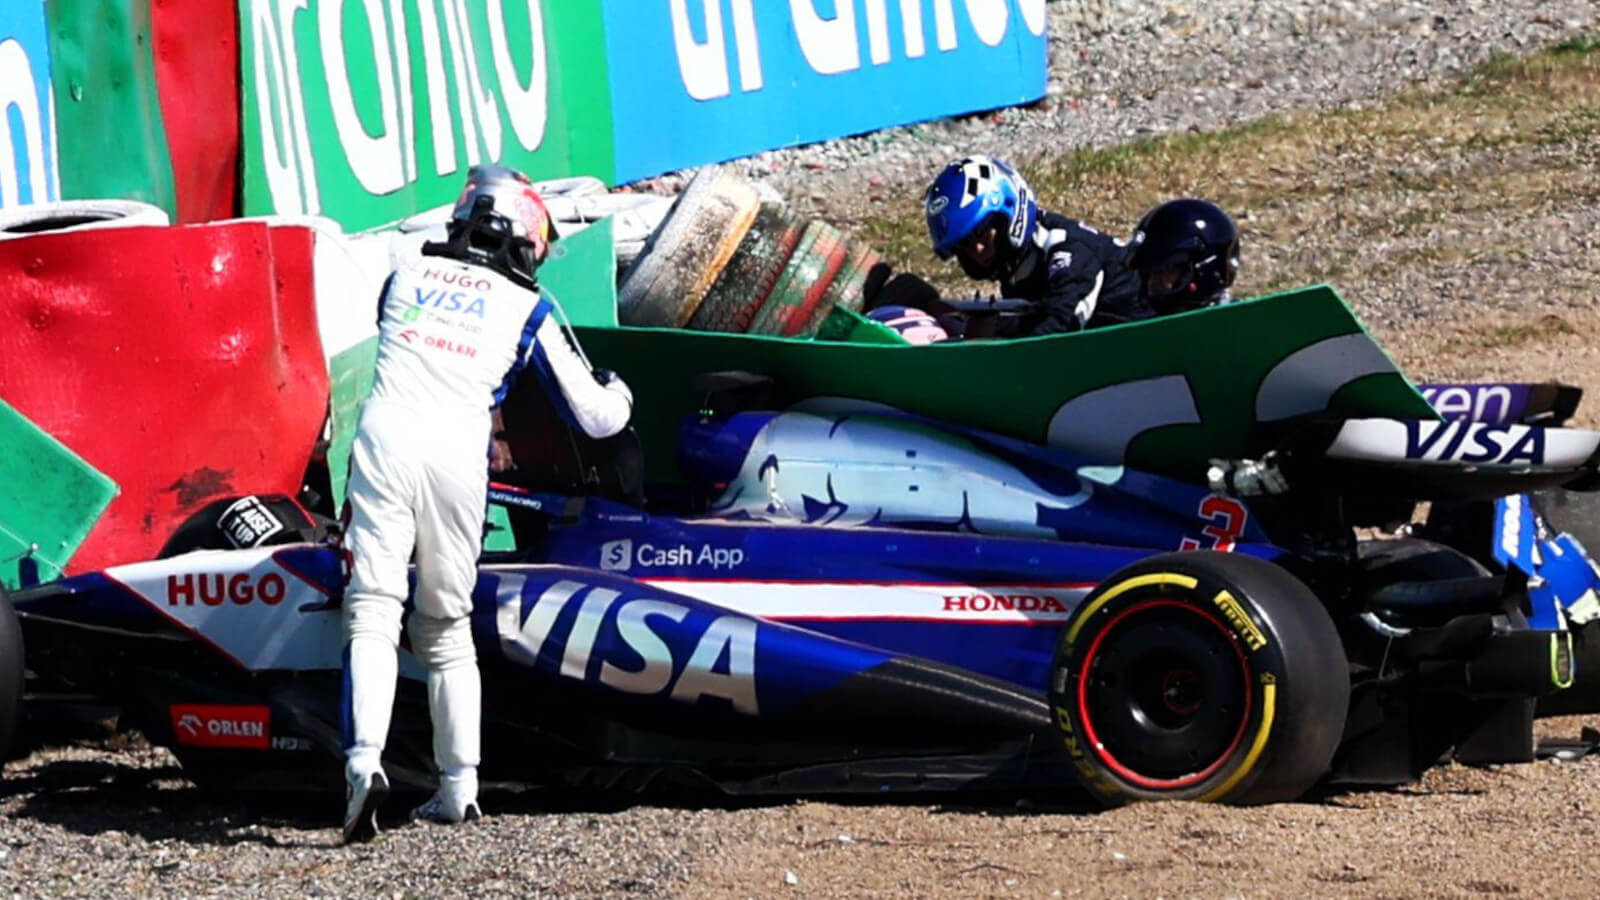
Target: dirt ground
[(1525, 830)]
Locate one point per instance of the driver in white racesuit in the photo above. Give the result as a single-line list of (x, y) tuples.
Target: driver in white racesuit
[(455, 327)]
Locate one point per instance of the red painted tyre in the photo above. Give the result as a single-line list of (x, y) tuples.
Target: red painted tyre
[(1200, 676), (846, 289), (669, 279), (803, 283), (738, 293)]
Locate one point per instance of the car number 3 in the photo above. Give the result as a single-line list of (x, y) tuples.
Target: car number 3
[(1227, 516)]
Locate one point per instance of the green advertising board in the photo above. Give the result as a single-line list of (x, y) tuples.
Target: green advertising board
[(1162, 395), (369, 112)]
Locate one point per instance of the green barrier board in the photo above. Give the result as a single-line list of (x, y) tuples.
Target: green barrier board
[(1163, 395), (110, 134), (53, 498), (351, 376), (581, 275), (848, 325)]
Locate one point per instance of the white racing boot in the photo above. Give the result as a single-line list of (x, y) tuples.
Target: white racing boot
[(365, 787), (455, 802)]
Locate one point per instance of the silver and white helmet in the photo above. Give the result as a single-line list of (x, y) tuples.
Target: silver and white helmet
[(502, 220)]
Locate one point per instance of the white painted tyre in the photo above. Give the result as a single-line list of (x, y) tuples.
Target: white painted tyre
[(77, 215), (577, 186), (668, 280)]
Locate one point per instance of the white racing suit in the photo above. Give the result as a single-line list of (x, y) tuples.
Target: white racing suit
[(452, 336)]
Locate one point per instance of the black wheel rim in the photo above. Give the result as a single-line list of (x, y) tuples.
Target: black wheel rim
[(1165, 695)]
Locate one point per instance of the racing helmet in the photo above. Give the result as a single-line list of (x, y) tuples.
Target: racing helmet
[(915, 325), (501, 222), (974, 192), (1186, 253)]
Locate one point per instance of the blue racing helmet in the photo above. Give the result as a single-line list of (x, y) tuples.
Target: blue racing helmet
[(968, 192)]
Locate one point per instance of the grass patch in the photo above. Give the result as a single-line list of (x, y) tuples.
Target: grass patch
[(1582, 45)]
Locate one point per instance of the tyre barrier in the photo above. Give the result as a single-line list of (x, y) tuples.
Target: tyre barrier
[(666, 284), (848, 288), (805, 279), (715, 263), (78, 215), (743, 285)]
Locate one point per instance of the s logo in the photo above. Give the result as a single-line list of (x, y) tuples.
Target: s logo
[(616, 556), (937, 205)]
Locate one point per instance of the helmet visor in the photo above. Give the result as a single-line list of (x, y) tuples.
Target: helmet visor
[(1168, 278)]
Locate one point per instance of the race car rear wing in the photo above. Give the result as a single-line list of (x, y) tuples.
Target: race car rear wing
[(1451, 460), (1500, 403)]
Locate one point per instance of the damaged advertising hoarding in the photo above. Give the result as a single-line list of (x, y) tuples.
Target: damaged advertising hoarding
[(181, 363)]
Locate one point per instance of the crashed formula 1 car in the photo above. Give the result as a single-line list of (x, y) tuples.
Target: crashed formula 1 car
[(840, 594)]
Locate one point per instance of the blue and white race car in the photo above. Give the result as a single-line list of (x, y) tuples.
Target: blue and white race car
[(856, 599)]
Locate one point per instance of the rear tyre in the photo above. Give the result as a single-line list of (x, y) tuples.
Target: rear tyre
[(11, 676), (1200, 676)]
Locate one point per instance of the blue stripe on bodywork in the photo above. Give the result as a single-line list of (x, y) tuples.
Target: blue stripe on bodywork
[(809, 553), (1018, 653), (92, 598)]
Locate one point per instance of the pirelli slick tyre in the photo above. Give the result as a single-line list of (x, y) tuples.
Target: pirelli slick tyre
[(1200, 676), (738, 293), (670, 278), (817, 259), (11, 674)]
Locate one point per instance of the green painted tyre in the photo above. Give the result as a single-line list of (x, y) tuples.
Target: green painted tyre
[(803, 283)]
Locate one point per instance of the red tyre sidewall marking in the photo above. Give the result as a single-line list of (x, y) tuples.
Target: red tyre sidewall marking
[(788, 244), (1093, 739), (793, 319), (785, 282)]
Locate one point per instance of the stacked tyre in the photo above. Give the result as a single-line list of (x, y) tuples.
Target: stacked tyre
[(725, 260)]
